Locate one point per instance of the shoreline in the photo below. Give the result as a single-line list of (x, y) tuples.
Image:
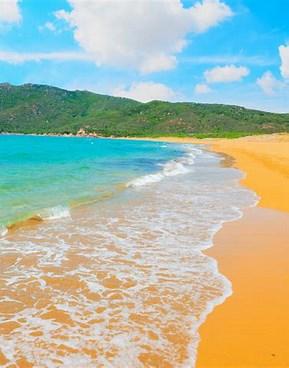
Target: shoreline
[(251, 328), (37, 219), (242, 331), (180, 307), (266, 151)]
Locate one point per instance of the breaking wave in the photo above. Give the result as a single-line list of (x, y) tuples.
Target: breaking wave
[(54, 213), (3, 231), (179, 166), (125, 282)]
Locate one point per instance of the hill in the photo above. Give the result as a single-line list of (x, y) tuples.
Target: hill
[(40, 109)]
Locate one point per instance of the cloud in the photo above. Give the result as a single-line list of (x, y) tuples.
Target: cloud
[(256, 60), (48, 26), (19, 58), (157, 63), (146, 91), (208, 13), (269, 84), (202, 88), (226, 74), (9, 11), (284, 55), (144, 34)]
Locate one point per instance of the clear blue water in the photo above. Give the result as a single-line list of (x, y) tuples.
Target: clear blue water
[(40, 173), (110, 266)]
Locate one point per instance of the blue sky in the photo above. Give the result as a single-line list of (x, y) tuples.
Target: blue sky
[(223, 51)]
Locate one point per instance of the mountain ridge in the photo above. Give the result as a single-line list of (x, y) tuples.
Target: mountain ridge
[(43, 109)]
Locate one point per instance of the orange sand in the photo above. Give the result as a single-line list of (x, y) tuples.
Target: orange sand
[(264, 159), (251, 329)]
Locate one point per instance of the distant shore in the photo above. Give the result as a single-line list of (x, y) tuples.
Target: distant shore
[(68, 135)]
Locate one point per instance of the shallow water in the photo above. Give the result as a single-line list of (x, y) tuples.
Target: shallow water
[(122, 282), (46, 176)]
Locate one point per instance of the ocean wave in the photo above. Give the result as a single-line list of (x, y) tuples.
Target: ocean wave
[(3, 231), (179, 166), (150, 250), (55, 213)]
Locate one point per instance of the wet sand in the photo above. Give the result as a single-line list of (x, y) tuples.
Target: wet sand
[(265, 160), (121, 284), (251, 329)]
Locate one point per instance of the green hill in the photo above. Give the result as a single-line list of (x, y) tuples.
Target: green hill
[(43, 109)]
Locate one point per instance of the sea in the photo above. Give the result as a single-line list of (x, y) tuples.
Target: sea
[(102, 242)]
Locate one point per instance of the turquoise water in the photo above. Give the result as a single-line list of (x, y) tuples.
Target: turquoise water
[(122, 280), (47, 175)]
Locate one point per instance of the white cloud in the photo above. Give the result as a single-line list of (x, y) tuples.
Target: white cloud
[(141, 34), (208, 13), (258, 60), (226, 74), (284, 55), (146, 91), (268, 83), (9, 11), (160, 62), (49, 26), (19, 58), (202, 88)]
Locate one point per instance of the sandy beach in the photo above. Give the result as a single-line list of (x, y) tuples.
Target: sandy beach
[(121, 282), (251, 329)]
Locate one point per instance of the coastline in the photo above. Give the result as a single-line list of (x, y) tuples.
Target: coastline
[(158, 304), (251, 328), (268, 154)]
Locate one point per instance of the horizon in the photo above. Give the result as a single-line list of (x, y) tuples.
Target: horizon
[(231, 52)]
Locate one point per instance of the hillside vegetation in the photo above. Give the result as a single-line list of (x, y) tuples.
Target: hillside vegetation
[(43, 109)]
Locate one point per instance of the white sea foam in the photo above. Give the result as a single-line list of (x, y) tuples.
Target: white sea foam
[(55, 213), (3, 231), (152, 246), (179, 166)]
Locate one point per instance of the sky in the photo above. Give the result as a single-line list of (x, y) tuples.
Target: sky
[(213, 51)]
